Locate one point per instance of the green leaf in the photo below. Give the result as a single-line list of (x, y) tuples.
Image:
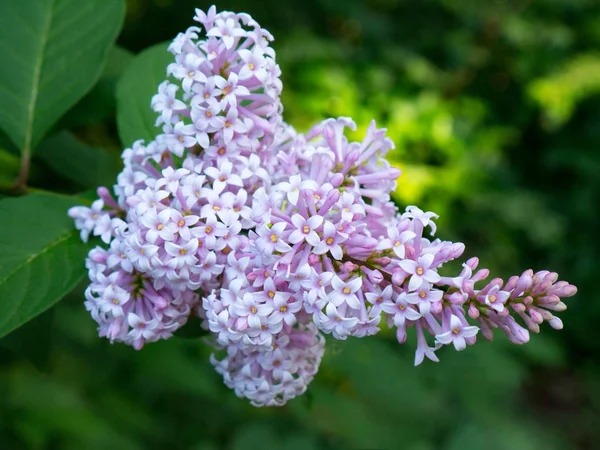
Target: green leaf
[(135, 118), (52, 52), (100, 103), (41, 256), (87, 166)]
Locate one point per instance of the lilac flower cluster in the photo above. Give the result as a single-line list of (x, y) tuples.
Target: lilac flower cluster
[(275, 238)]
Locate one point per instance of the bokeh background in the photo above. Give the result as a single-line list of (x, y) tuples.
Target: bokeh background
[(495, 111)]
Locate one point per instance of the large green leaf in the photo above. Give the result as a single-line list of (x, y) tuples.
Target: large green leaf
[(41, 256), (51, 53), (139, 82), (87, 166), (101, 102)]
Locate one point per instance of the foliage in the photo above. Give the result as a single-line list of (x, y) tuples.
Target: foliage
[(494, 108)]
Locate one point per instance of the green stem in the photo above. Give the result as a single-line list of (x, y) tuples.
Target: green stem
[(21, 183)]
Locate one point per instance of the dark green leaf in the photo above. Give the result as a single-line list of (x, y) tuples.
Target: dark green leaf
[(87, 166), (135, 118), (52, 52), (100, 103), (41, 256)]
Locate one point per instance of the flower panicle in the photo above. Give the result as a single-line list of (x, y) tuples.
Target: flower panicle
[(276, 238)]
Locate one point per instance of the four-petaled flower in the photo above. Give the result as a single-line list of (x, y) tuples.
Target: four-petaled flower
[(456, 334)]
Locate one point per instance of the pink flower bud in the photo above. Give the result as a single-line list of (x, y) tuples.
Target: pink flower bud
[(536, 317), (336, 180), (384, 260), (480, 275), (519, 307), (487, 333), (374, 276), (563, 289), (350, 266), (556, 323), (398, 277), (473, 312), (524, 284), (473, 262), (511, 283)]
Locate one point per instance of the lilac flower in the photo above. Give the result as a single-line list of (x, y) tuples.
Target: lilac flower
[(330, 241), (400, 310), (226, 30), (335, 323), (424, 297), (271, 238), (182, 137), (396, 241), (166, 102), (223, 176), (293, 187), (345, 292), (159, 225), (181, 255), (420, 271), (456, 334), (188, 70), (252, 311), (495, 298), (305, 229)]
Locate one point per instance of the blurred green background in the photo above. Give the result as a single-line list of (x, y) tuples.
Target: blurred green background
[(495, 110)]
